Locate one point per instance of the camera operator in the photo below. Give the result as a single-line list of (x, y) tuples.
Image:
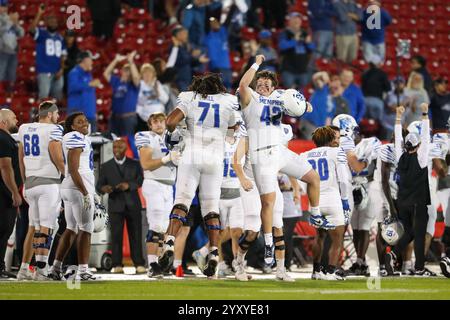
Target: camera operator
[(413, 191), (296, 48)]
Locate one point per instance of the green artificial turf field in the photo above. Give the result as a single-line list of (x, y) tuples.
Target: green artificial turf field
[(388, 288)]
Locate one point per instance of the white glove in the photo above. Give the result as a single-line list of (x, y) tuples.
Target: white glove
[(173, 156), (347, 144), (86, 203)]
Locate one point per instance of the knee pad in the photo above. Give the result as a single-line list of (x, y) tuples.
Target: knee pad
[(175, 216), (212, 225), (245, 241), (154, 237), (46, 244), (279, 239)]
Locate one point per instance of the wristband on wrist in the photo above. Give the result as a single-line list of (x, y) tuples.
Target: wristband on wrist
[(165, 159), (255, 66)]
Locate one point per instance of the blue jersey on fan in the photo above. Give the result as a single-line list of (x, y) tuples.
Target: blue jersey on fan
[(49, 49)]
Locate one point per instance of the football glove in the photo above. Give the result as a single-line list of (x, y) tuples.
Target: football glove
[(346, 207)]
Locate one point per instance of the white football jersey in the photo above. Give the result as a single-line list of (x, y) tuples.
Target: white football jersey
[(35, 139), (207, 119), (263, 117), (230, 180), (149, 139), (367, 150), (387, 154), (74, 140), (326, 161)]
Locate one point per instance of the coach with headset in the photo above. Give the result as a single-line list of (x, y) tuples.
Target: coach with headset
[(413, 191)]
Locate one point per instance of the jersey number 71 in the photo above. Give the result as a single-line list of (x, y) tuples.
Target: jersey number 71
[(206, 106)]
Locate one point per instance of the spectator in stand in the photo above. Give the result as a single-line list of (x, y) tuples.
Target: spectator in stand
[(167, 78), (183, 58), (216, 43), (394, 98), (348, 15), (321, 101), (321, 14), (375, 84), (152, 98), (440, 104), (267, 50), (105, 14), (72, 54), (373, 45), (353, 94), (194, 18), (10, 32), (419, 64), (296, 48), (81, 89), (416, 94), (164, 10), (338, 104), (233, 15), (125, 90), (50, 56)]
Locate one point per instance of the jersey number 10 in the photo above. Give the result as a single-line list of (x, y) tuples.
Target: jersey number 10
[(31, 145), (321, 166)]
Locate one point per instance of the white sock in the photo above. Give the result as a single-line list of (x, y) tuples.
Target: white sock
[(315, 211), (152, 258), (240, 256), (204, 251), (360, 261), (83, 267), (268, 239), (222, 265), (280, 264), (176, 263), (24, 266), (57, 265), (408, 265)]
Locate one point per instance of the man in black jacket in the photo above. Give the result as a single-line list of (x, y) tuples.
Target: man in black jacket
[(375, 84), (121, 177), (413, 191), (10, 182)]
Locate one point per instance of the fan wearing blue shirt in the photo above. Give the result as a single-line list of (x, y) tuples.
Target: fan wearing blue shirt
[(125, 91), (81, 89), (50, 56), (353, 95), (216, 43), (373, 44)]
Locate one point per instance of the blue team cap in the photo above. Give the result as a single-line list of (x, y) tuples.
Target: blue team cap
[(265, 34)]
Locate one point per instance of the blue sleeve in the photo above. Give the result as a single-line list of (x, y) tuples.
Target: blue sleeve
[(41, 35), (285, 43), (386, 17), (188, 19), (75, 83), (310, 46), (360, 105), (114, 82)]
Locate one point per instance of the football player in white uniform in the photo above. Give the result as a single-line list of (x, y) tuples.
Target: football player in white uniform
[(331, 164), (230, 207), (262, 111), (208, 111), (159, 178), (42, 164), (363, 215), (252, 210), (77, 192)]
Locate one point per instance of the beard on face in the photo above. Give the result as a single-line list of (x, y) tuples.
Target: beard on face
[(13, 129)]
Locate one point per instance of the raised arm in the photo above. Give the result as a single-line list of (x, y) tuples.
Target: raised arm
[(36, 19), (135, 76), (246, 80), (398, 133), (424, 149), (110, 68)]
